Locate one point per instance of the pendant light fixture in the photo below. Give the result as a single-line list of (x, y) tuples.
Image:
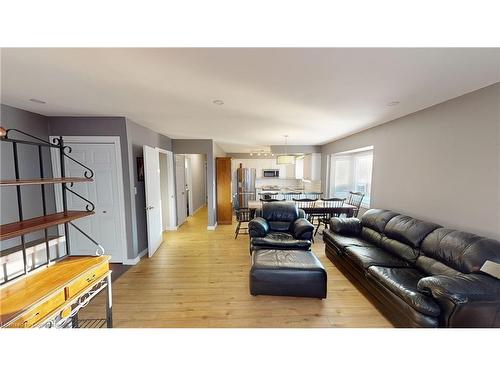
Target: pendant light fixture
[(286, 158)]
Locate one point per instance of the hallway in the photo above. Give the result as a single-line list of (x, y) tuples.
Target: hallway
[(199, 278)]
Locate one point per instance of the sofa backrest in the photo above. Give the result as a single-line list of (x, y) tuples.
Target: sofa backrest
[(462, 251), (374, 222), (280, 215), (404, 235), (433, 249)]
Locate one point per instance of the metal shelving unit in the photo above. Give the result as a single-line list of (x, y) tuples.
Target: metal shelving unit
[(27, 225)]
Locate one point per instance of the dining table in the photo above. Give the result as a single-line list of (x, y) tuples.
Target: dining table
[(318, 208)]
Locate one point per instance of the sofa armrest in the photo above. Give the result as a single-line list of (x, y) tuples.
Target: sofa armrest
[(462, 288), (349, 226), (302, 229), (466, 300), (258, 227)]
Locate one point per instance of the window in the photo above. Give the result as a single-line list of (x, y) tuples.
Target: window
[(352, 171)]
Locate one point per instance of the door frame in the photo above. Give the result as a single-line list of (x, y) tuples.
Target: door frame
[(115, 140), (171, 188)]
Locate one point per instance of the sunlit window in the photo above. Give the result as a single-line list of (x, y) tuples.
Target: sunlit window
[(352, 171)]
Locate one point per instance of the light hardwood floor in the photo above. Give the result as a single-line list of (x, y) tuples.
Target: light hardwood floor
[(199, 278)]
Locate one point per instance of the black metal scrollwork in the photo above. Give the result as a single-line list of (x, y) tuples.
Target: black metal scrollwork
[(89, 207)]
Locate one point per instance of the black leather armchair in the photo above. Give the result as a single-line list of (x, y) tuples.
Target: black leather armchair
[(280, 225)]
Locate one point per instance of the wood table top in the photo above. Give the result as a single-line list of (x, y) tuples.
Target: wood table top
[(19, 296)]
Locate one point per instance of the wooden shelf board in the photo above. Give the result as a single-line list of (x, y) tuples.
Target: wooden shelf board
[(32, 289), (19, 228), (44, 181)]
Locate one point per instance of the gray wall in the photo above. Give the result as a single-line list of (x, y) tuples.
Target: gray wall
[(37, 125), (138, 136), (440, 164), (198, 172)]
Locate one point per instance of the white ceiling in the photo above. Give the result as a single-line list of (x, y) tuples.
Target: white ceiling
[(313, 95)]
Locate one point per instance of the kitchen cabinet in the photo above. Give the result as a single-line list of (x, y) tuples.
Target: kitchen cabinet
[(312, 167)]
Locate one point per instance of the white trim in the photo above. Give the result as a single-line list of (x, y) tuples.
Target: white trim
[(119, 168), (212, 227), (134, 261), (361, 149)]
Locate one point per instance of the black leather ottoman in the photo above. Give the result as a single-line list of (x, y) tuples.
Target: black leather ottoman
[(294, 273)]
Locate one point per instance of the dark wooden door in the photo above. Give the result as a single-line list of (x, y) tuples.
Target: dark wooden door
[(224, 204)]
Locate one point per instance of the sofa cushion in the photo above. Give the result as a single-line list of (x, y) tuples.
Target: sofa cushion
[(373, 256), (403, 282), (341, 242), (462, 251), (371, 236), (433, 267), (400, 249), (280, 240), (377, 219), (348, 226), (408, 230)]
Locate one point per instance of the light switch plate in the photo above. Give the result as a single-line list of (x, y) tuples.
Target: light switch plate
[(491, 268)]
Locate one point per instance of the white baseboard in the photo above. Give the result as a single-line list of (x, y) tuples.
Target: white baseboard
[(134, 261), (212, 227)]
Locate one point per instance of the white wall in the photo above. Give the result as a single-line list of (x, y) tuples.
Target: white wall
[(440, 164)]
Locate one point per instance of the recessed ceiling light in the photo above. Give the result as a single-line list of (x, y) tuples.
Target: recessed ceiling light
[(392, 104), (37, 101), (218, 102), (251, 154)]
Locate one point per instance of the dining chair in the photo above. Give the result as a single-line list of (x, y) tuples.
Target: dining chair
[(305, 203), (291, 196), (243, 215), (314, 195), (271, 200), (328, 203), (355, 199)]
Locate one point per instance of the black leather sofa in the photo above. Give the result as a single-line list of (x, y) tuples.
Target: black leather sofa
[(418, 273), (280, 225)]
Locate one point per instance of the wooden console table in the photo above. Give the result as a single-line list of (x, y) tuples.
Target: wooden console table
[(53, 296)]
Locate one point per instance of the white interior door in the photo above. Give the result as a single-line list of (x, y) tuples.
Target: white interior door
[(106, 226), (153, 198), (189, 186), (180, 184)]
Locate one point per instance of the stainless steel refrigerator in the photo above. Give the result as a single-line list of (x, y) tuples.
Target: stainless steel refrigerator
[(245, 186)]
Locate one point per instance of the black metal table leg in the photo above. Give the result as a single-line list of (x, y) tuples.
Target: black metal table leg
[(109, 302)]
